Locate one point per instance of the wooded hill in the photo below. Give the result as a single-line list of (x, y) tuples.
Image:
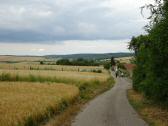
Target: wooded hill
[(90, 56)]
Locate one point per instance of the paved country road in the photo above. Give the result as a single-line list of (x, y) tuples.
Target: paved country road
[(110, 109)]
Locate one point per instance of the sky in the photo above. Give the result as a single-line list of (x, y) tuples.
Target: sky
[(42, 27)]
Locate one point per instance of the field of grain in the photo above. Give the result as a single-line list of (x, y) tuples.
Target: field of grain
[(23, 103), (51, 76), (31, 93), (124, 59), (20, 58), (37, 66)]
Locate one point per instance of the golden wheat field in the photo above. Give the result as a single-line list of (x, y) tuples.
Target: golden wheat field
[(21, 58), (37, 66), (30, 93), (22, 101)]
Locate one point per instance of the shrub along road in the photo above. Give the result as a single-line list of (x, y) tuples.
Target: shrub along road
[(110, 109)]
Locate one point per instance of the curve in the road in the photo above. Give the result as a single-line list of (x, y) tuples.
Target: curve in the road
[(110, 109)]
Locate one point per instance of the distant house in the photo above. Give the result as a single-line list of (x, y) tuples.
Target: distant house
[(130, 68)]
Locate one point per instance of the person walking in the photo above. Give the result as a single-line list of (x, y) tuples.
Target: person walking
[(116, 71)]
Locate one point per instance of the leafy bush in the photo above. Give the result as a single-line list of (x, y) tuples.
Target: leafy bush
[(97, 71), (151, 56), (41, 62), (107, 66)]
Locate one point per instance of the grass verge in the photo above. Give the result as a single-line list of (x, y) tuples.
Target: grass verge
[(154, 114)]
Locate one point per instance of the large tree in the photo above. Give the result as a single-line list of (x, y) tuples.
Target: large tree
[(151, 54)]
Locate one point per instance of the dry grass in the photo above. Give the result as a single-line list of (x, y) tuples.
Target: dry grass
[(36, 66), (27, 103), (20, 58), (65, 118), (124, 59), (155, 115)]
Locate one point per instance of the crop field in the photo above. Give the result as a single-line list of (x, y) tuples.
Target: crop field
[(124, 59), (32, 93), (37, 66), (20, 58), (21, 103), (53, 76)]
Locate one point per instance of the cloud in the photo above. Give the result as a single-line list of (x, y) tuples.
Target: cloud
[(65, 47), (42, 21), (37, 49)]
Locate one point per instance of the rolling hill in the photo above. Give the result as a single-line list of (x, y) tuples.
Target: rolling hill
[(90, 56)]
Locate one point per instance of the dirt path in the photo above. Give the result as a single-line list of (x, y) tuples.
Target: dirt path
[(110, 109)]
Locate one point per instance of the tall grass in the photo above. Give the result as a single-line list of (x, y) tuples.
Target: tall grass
[(28, 104), (24, 66), (52, 76)]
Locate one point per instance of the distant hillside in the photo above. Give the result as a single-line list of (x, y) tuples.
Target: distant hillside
[(90, 56), (15, 58)]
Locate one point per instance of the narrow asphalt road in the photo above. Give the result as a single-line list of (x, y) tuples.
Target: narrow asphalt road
[(110, 109)]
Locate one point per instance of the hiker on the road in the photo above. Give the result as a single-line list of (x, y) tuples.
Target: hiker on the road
[(116, 74), (116, 71), (122, 74)]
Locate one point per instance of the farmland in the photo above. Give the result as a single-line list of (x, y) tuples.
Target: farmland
[(9, 58), (32, 93), (21, 103), (37, 66)]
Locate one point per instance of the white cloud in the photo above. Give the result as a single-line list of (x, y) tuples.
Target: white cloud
[(37, 50), (65, 47)]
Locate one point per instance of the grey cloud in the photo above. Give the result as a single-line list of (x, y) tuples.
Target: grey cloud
[(56, 20)]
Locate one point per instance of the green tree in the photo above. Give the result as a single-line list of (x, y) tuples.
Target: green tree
[(151, 55), (112, 61), (107, 65)]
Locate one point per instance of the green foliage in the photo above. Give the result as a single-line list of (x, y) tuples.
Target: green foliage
[(41, 62), (5, 77), (97, 71), (77, 62), (151, 57), (107, 65), (90, 56), (112, 61), (89, 90), (63, 62)]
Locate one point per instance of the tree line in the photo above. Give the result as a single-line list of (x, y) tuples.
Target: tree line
[(77, 62), (151, 55)]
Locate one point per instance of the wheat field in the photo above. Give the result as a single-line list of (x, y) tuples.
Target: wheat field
[(21, 58), (21, 103), (37, 66), (54, 75), (31, 93)]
